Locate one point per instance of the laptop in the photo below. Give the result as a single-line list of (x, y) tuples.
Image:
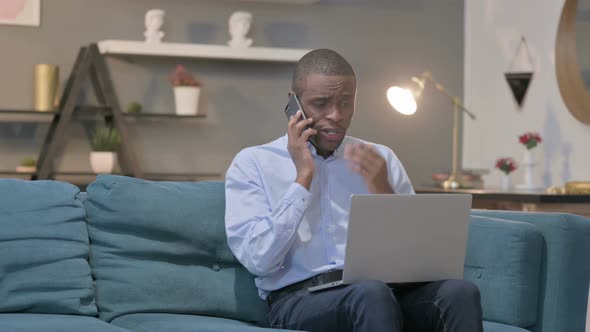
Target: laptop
[(405, 238)]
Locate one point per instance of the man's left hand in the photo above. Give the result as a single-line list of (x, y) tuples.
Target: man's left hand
[(364, 160)]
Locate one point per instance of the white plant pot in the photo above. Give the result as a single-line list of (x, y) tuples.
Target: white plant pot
[(186, 99), (102, 162), (26, 169)]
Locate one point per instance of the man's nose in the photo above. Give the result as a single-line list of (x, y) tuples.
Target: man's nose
[(335, 113)]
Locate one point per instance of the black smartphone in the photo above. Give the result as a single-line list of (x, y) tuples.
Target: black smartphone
[(292, 107)]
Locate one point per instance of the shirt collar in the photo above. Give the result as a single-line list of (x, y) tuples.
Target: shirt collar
[(338, 153)]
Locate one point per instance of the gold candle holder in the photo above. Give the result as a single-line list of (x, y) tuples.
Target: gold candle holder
[(46, 78)]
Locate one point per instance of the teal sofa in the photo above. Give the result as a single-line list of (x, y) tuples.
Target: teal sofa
[(136, 255)]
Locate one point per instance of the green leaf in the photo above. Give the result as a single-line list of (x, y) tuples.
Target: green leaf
[(105, 139)]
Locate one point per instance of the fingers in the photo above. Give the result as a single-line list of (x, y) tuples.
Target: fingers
[(296, 126), (307, 133), (363, 158), (300, 126), (294, 118), (297, 129)]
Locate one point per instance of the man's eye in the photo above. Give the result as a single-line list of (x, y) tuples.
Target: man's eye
[(319, 103)]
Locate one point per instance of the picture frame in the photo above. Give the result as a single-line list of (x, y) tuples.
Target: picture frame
[(20, 12)]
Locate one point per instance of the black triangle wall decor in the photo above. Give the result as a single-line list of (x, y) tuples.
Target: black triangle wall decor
[(519, 84)]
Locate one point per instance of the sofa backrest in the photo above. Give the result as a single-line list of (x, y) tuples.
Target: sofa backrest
[(161, 247), (565, 267), (504, 260), (43, 249)]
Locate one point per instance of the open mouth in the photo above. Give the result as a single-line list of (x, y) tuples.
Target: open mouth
[(331, 134)]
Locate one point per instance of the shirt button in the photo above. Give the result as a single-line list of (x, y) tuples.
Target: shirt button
[(332, 259), (330, 229), (216, 268)]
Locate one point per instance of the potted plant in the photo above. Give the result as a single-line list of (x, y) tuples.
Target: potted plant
[(27, 165), (134, 107), (186, 91), (507, 166), (105, 141)]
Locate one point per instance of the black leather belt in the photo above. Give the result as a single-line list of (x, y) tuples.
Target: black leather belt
[(319, 279)]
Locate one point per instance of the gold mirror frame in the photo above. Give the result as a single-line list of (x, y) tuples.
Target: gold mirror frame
[(569, 78)]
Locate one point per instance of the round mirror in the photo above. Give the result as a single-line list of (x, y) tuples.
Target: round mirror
[(572, 58), (583, 40)]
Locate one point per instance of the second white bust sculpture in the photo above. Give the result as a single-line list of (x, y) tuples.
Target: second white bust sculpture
[(154, 18), (239, 25)]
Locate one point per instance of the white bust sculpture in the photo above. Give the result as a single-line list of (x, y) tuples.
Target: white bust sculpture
[(154, 18), (239, 25)]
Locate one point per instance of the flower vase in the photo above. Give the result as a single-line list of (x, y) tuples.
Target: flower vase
[(506, 182), (528, 164)]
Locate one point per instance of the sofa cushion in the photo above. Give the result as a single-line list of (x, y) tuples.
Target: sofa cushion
[(565, 267), (498, 327), (44, 249), (161, 247), (503, 260), (184, 323), (54, 323)]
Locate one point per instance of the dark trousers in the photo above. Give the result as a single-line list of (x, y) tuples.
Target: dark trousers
[(373, 306)]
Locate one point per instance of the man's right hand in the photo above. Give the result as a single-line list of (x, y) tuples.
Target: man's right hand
[(299, 149)]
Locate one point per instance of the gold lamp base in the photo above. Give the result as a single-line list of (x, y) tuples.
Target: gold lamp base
[(451, 183)]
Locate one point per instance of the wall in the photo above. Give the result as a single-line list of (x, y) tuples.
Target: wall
[(493, 29), (386, 41)]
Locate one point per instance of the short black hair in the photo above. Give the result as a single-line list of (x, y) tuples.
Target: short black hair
[(321, 61)]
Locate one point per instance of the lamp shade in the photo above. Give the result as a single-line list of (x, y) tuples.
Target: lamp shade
[(402, 100)]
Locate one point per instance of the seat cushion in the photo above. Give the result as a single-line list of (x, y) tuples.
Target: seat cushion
[(504, 261), (44, 249), (498, 327), (184, 323), (54, 323), (161, 247)]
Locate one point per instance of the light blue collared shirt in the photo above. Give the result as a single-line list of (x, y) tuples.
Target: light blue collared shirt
[(283, 233)]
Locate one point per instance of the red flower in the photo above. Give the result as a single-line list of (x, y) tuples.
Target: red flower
[(506, 165), (530, 140), (181, 77)]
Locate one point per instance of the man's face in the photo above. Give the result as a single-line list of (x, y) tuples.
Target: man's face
[(329, 100)]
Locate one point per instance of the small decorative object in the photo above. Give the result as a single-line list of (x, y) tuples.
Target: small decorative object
[(578, 187), (105, 142), (134, 107), (46, 80), (27, 165), (186, 91), (20, 12), (507, 166), (154, 19), (530, 140), (239, 25), (520, 72)]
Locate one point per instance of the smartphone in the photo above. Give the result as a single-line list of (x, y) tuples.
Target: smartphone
[(292, 107)]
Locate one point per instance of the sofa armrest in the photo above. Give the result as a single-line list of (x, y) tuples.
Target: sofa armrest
[(504, 259), (565, 267)]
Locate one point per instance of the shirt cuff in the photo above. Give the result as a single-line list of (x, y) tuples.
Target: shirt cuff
[(298, 196)]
